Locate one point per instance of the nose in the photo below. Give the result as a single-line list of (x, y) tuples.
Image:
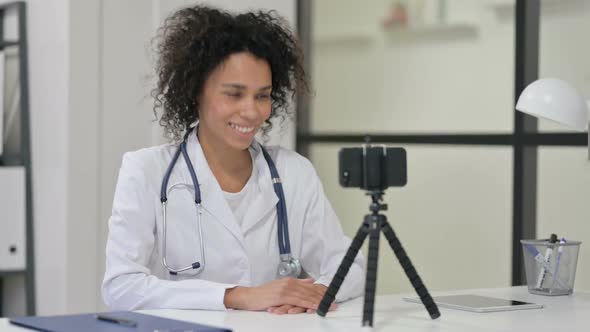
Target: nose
[(250, 109)]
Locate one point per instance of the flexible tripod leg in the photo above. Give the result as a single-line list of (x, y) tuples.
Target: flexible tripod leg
[(411, 272), (372, 263), (347, 261)]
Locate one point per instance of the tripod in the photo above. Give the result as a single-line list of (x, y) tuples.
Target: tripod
[(372, 225)]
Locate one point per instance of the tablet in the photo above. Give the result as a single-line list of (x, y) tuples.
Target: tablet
[(478, 303)]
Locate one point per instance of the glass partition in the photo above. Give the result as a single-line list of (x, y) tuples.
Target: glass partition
[(453, 217), (563, 201), (564, 48), (412, 66)]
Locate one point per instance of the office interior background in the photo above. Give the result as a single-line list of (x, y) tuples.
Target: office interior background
[(450, 71)]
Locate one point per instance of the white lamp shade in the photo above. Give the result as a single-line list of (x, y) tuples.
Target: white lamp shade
[(555, 100)]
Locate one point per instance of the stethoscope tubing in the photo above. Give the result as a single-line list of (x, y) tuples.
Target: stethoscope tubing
[(284, 245), (199, 266), (282, 221)]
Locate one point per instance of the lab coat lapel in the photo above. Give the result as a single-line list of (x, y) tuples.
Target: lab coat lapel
[(266, 199), (212, 198)]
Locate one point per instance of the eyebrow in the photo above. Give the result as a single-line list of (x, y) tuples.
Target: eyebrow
[(243, 87)]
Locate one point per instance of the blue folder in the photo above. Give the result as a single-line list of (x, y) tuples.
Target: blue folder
[(89, 323)]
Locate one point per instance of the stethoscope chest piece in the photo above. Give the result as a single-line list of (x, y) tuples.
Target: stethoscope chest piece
[(289, 267)]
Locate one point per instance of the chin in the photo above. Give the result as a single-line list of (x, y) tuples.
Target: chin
[(241, 145)]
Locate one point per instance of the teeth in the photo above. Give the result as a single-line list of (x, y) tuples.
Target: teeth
[(243, 130)]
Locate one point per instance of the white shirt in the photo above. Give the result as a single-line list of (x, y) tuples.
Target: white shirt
[(239, 202), (246, 255)]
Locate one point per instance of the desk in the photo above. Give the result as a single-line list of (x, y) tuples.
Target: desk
[(562, 313)]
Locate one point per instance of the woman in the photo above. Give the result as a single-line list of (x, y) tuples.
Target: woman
[(204, 223)]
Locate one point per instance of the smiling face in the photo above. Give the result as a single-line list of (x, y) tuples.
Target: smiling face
[(235, 101)]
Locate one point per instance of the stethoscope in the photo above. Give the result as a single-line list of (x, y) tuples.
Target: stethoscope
[(288, 265)]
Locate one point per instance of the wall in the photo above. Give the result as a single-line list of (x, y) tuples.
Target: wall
[(126, 117), (83, 157)]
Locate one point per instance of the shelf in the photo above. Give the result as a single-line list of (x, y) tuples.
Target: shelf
[(7, 160), (344, 37), (8, 43), (8, 273), (434, 31)]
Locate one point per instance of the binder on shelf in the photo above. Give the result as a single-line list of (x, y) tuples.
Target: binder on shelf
[(130, 322), (12, 219)]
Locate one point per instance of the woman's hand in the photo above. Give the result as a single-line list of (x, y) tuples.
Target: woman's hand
[(289, 294), (291, 309)]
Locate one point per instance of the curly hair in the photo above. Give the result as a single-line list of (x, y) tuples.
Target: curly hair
[(193, 41)]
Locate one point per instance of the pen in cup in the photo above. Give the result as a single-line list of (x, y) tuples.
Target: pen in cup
[(559, 253), (547, 258), (538, 256), (116, 320)]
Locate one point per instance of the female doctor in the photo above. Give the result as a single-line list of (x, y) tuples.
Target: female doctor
[(215, 220)]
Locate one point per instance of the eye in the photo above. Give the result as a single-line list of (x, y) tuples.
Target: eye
[(263, 96), (233, 94)]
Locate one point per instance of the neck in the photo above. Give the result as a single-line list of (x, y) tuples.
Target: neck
[(223, 159)]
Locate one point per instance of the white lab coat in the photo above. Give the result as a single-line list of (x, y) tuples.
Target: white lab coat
[(234, 256)]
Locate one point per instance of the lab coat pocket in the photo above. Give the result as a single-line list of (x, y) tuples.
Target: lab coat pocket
[(183, 237)]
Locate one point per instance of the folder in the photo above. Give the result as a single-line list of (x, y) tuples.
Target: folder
[(90, 323)]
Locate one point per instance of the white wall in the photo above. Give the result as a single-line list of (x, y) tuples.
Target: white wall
[(126, 117), (83, 157), (48, 39)]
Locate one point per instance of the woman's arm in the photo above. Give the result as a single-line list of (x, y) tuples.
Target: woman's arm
[(324, 243), (128, 283)]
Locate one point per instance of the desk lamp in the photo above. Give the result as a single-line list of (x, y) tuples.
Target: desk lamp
[(556, 100)]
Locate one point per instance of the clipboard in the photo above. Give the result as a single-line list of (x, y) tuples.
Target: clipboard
[(90, 323)]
